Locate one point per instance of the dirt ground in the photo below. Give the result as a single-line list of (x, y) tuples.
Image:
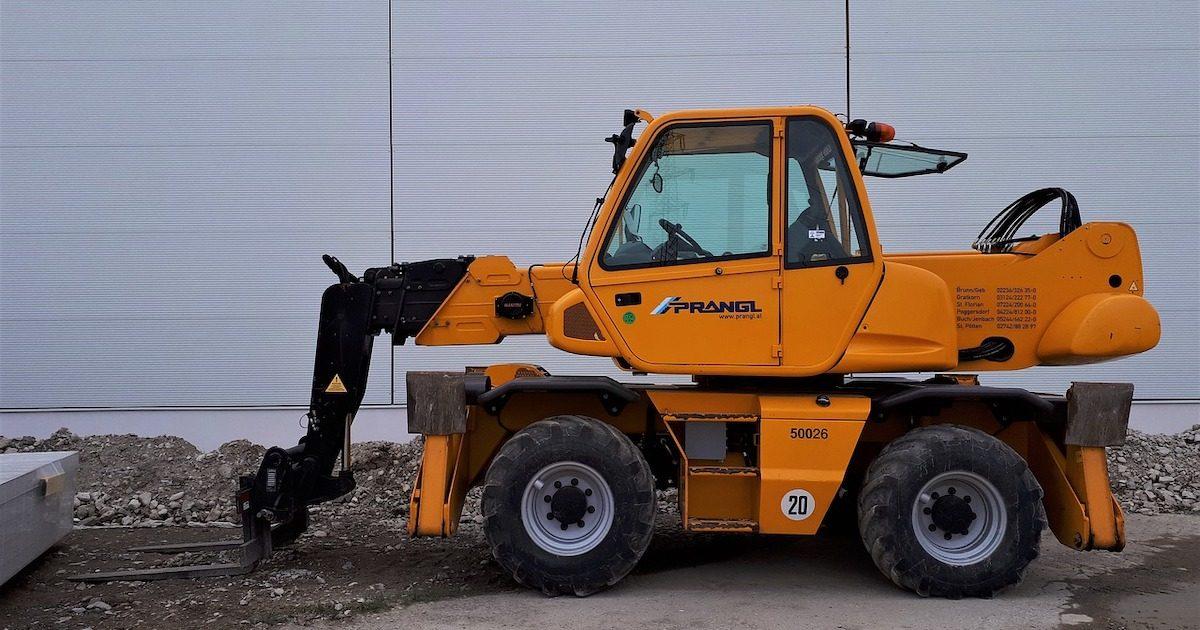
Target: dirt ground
[(347, 565), (356, 563), (371, 575), (827, 582)]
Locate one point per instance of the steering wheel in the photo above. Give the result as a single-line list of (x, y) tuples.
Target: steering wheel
[(675, 231)]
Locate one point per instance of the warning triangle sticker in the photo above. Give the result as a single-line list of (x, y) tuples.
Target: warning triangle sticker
[(1133, 286), (336, 386)]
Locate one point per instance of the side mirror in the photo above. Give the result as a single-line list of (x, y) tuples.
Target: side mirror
[(621, 144)]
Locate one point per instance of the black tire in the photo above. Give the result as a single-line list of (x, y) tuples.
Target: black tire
[(569, 439), (887, 521)]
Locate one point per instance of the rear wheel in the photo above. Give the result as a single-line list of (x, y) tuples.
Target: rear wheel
[(568, 505), (951, 511)]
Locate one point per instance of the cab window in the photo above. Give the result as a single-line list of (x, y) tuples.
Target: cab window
[(824, 220), (701, 194)]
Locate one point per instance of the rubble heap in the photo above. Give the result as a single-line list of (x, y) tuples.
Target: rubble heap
[(135, 481), (1155, 473), (131, 480)]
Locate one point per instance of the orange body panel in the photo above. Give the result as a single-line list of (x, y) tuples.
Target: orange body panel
[(1098, 327), (1022, 297), (667, 343), (910, 326), (468, 316), (804, 450), (1080, 507)]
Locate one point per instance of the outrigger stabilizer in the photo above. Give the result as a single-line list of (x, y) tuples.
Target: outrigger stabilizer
[(273, 504)]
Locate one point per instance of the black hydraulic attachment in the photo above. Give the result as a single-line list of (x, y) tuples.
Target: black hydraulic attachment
[(273, 504)]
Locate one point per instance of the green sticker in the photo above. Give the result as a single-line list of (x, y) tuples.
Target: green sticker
[(628, 317)]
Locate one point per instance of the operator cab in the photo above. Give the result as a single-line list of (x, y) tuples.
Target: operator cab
[(746, 224), (666, 219), (701, 193)]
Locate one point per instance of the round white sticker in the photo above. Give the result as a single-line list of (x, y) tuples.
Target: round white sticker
[(797, 504)]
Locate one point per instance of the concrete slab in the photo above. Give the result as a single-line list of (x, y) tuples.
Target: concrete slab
[(37, 493)]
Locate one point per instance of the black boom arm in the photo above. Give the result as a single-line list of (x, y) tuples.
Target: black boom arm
[(398, 299)]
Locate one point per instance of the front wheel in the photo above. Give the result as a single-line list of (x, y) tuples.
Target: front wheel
[(951, 511), (568, 505)]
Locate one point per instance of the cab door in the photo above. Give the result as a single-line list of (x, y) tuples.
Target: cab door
[(831, 264), (688, 272)]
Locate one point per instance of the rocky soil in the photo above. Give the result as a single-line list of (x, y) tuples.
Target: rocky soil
[(129, 480), (356, 557), (1155, 473), (150, 482)]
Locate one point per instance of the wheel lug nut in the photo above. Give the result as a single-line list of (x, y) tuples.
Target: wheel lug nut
[(951, 490), (547, 498), (947, 536), (557, 484), (574, 482), (932, 527), (924, 510), (564, 527), (591, 509), (966, 498), (934, 495), (550, 515), (587, 492), (580, 523)]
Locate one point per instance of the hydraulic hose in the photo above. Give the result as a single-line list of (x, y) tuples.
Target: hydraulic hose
[(998, 236)]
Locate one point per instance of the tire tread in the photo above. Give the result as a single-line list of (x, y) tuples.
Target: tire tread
[(884, 481), (630, 544)]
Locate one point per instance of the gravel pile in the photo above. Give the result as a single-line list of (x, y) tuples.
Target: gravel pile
[(384, 472), (1155, 473), (129, 480)]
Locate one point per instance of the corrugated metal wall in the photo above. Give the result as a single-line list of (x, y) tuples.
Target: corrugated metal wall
[(170, 172), (1100, 98)]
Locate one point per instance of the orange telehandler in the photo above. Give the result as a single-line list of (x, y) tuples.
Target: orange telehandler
[(738, 246)]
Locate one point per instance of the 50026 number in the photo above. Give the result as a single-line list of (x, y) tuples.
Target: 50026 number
[(807, 433)]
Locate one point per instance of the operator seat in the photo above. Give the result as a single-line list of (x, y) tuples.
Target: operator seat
[(811, 238)]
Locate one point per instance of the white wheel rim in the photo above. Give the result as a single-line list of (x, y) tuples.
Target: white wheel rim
[(939, 512), (567, 491)]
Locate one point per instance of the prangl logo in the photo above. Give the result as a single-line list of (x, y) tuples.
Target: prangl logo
[(726, 309), (664, 305)]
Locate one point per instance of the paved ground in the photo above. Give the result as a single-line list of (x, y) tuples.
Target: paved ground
[(830, 583)]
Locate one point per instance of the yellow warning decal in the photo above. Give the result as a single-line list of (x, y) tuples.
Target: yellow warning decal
[(336, 386), (1133, 287)]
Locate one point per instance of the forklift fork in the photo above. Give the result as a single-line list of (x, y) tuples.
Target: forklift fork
[(254, 546)]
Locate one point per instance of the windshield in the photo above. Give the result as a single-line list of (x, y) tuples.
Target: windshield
[(890, 160)]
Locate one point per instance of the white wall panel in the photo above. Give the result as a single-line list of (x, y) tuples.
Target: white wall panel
[(1100, 98), (170, 174), (170, 276), (116, 30), (207, 103)]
